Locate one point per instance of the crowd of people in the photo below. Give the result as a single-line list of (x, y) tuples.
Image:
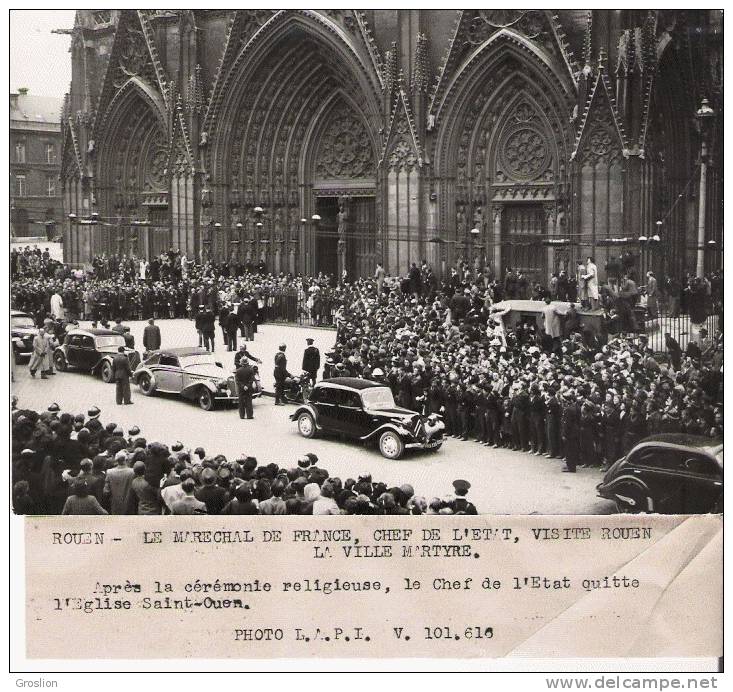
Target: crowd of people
[(554, 388), (169, 286), (65, 463)]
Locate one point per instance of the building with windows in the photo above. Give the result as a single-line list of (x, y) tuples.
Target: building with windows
[(36, 203), (328, 140)]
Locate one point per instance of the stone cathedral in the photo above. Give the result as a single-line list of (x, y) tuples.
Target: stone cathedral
[(330, 140)]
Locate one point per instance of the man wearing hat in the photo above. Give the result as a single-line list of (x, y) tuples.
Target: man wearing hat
[(461, 504), (244, 376), (121, 372), (311, 359), (281, 374)]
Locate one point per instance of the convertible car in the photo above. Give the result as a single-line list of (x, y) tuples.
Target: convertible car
[(192, 372), (366, 411), (92, 350)]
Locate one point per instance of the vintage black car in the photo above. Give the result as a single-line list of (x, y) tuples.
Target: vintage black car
[(668, 474), (92, 350), (22, 330), (366, 411)]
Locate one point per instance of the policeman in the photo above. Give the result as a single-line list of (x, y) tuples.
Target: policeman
[(244, 377), (461, 505), (570, 436), (311, 360), (281, 374)]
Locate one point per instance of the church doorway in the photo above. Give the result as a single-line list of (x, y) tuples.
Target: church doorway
[(346, 236), (522, 234), (326, 232)]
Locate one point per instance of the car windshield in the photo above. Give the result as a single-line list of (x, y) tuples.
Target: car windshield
[(378, 397), (21, 321), (109, 341), (198, 359)]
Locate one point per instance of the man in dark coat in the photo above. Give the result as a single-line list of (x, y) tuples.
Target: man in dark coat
[(233, 324), (121, 373), (151, 336), (570, 433), (674, 350), (244, 377), (281, 374), (311, 359)]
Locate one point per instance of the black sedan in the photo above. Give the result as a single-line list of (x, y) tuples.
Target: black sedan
[(92, 350), (366, 411), (668, 474), (22, 330)]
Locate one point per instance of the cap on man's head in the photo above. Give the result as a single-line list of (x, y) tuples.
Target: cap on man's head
[(54, 408), (134, 430), (461, 487), (93, 412), (309, 340)]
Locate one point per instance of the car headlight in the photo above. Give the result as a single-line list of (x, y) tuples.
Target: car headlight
[(222, 384)]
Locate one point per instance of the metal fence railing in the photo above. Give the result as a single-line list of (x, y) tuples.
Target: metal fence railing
[(678, 323), (297, 307)]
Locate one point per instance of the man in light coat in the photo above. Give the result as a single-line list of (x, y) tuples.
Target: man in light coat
[(590, 279), (57, 306), (41, 356)]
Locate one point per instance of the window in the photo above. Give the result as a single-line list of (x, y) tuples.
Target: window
[(86, 341), (351, 399), (702, 467), (20, 152), (20, 189), (50, 153), (170, 361), (50, 186)]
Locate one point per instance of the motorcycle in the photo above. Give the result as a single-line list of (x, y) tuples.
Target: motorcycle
[(256, 383), (298, 389)]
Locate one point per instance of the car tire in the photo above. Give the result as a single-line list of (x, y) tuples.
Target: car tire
[(391, 445), (639, 500), (306, 425), (106, 372), (59, 360), (145, 384), (205, 399)]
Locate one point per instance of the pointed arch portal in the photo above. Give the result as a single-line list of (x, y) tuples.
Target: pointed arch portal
[(297, 138)]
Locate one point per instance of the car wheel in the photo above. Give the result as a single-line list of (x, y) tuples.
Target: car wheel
[(106, 372), (306, 425), (59, 360), (145, 383), (631, 499), (391, 445), (205, 399)]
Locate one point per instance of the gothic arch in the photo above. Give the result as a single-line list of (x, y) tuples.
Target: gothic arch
[(132, 180), (282, 82), (502, 141)]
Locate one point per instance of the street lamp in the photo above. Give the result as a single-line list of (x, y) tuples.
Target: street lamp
[(704, 115)]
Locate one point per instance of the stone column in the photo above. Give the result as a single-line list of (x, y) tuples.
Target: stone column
[(497, 211), (550, 217), (341, 252)]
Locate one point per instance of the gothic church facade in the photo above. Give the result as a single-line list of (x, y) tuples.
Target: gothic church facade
[(324, 141)]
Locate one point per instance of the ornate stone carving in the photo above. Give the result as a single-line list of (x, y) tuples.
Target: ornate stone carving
[(600, 141), (345, 150), (525, 153), (402, 156), (531, 23)]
